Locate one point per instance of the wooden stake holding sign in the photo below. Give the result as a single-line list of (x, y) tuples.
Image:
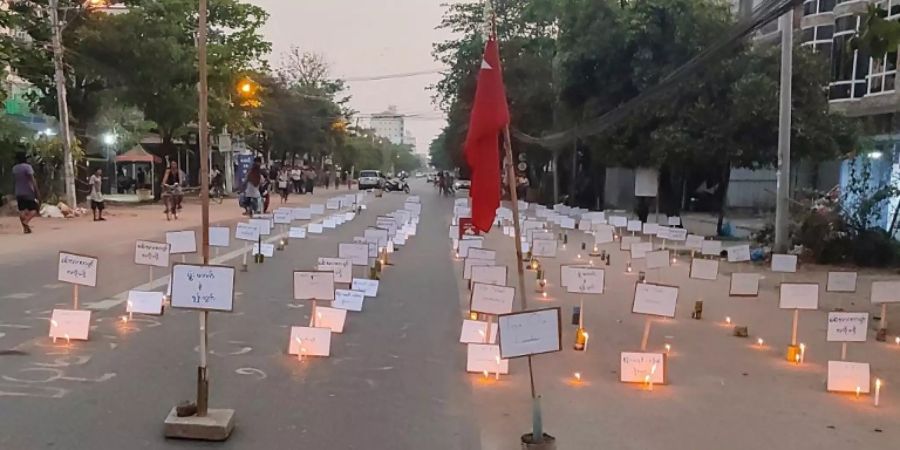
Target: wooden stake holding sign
[(847, 327), (314, 286), (77, 270), (884, 292), (797, 296), (649, 300), (585, 281)]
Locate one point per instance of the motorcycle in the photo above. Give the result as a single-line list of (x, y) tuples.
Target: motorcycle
[(396, 185)]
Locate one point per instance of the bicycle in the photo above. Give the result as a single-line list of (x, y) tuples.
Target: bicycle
[(171, 195), (217, 193)]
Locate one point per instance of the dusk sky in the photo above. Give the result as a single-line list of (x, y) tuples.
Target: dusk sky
[(365, 38)]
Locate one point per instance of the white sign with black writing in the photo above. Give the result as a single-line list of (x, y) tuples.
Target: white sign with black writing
[(530, 333), (358, 254), (634, 226), (847, 326), (142, 302), (481, 358), (582, 280), (489, 274), (704, 269), (246, 232), (739, 253), (642, 367), (348, 299), (267, 250), (263, 225), (297, 233), (491, 299), (148, 253), (284, 216), (655, 299), (77, 269), (342, 268), (784, 263), (308, 341), (203, 287), (309, 285), (367, 286)]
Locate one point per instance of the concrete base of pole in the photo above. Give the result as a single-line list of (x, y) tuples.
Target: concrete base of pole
[(548, 443), (216, 425)]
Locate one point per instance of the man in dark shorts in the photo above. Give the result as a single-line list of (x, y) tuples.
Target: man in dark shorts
[(97, 206), (26, 191)]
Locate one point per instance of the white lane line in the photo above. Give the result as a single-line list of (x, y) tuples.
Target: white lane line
[(54, 285), (121, 297), (18, 296)]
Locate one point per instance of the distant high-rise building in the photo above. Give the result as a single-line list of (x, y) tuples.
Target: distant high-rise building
[(390, 125)]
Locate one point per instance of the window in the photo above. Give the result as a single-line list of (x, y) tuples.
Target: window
[(882, 73), (848, 70), (819, 38), (811, 7)]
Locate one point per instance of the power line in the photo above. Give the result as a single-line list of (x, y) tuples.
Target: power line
[(392, 76)]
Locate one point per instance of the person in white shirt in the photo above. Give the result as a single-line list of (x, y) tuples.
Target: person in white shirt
[(96, 181), (297, 180)]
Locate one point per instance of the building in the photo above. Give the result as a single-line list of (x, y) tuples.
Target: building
[(391, 125)]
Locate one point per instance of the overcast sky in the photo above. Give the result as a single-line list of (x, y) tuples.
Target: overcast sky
[(364, 38)]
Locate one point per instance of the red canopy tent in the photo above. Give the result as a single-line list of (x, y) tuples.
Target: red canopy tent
[(138, 155)]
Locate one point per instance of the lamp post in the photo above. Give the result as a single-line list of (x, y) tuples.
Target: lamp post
[(109, 140)]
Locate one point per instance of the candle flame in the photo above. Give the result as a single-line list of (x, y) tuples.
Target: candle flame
[(728, 320), (797, 358), (878, 383), (124, 319), (578, 376), (485, 373), (760, 341), (668, 348), (857, 391), (897, 340), (544, 294)]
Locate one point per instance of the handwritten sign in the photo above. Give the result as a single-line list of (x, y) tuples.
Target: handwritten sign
[(267, 250), (658, 259), (308, 341), (491, 299), (704, 269), (367, 286), (348, 299), (466, 244), (297, 233), (284, 216), (77, 269), (331, 318), (655, 299), (846, 376), (317, 209), (246, 232), (637, 367), (885, 292), (739, 253), (469, 263), (544, 248), (181, 242), (203, 287), (315, 228), (674, 221), (618, 221), (481, 253), (342, 268), (847, 327), (301, 213), (264, 226), (530, 333), (798, 296), (148, 253), (219, 236), (677, 234), (358, 254), (744, 285), (70, 324), (711, 248), (141, 302), (650, 229), (489, 274), (694, 242), (634, 226), (841, 282), (582, 280), (604, 236), (640, 249), (474, 331), (784, 263), (309, 285), (483, 358), (626, 242)]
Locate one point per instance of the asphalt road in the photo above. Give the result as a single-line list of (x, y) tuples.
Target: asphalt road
[(394, 380)]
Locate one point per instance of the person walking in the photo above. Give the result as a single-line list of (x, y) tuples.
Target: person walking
[(297, 179), (284, 185), (26, 191), (141, 178), (251, 189), (310, 180), (265, 189), (97, 206)]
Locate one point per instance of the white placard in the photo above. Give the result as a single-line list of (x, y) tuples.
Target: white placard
[(567, 223), (310, 285), (246, 232), (784, 263), (650, 229), (331, 318), (469, 263), (70, 324), (846, 376), (711, 248), (744, 284), (263, 225), (453, 232), (181, 242), (640, 249), (491, 299), (77, 269), (585, 224), (635, 367), (885, 292), (203, 287), (301, 213), (317, 209), (704, 269), (480, 253), (329, 223), (658, 259), (530, 333), (655, 299), (738, 253), (342, 268), (847, 326), (297, 233), (358, 254), (482, 358), (314, 228), (489, 274), (148, 253), (841, 282), (626, 242), (413, 199), (677, 234), (618, 221), (674, 221), (348, 299), (544, 247), (219, 236), (798, 296), (141, 302), (582, 280), (367, 286), (603, 237), (267, 250), (332, 203), (376, 235), (310, 341), (634, 226), (283, 216), (646, 182), (414, 208), (466, 244), (694, 242), (473, 332)]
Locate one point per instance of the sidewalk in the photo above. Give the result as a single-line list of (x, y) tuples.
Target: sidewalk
[(126, 224)]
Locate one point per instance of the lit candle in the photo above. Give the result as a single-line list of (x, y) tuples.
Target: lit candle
[(728, 320), (652, 372), (473, 315), (457, 255), (595, 248), (544, 294), (797, 358), (877, 390), (674, 259), (577, 376), (897, 340), (802, 352), (586, 337), (68, 340), (124, 319), (760, 342), (857, 392), (668, 348), (485, 374), (579, 256), (497, 375), (628, 267)]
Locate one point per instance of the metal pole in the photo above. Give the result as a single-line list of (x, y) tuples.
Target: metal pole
[(62, 104), (202, 376), (782, 205)]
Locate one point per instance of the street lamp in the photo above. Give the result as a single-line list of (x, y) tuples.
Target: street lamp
[(109, 139)]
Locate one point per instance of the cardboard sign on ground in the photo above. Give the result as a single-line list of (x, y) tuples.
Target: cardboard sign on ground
[(309, 285), (331, 318), (491, 299), (704, 269), (367, 286), (530, 333), (482, 358), (141, 302), (70, 324), (473, 332), (844, 376), (744, 284), (635, 367), (310, 341)]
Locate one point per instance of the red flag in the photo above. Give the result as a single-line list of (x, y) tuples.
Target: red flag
[(489, 116)]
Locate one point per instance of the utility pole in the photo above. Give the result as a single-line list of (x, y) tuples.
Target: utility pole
[(782, 201), (62, 104), (203, 139)]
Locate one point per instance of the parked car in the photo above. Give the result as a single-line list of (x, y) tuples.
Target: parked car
[(461, 184), (370, 179)]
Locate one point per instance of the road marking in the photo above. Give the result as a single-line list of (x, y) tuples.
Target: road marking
[(103, 304), (19, 296), (54, 285)]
